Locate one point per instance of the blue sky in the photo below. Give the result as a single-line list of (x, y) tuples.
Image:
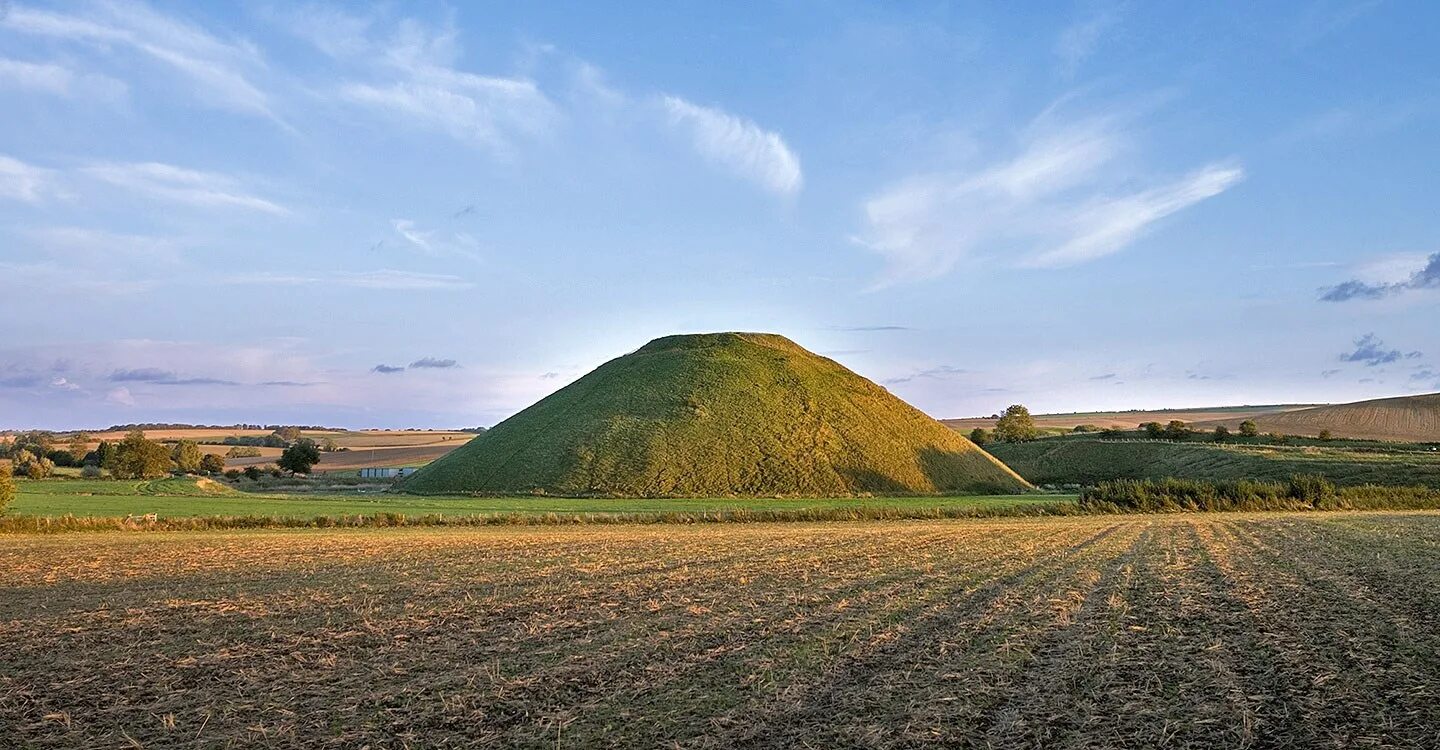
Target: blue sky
[(432, 215)]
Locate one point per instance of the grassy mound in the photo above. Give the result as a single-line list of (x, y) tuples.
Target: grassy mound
[(1083, 460), (1410, 418), (723, 414)]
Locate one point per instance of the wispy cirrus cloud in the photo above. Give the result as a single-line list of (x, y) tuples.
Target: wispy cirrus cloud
[(1060, 200), (1426, 277), (158, 376), (217, 71), (738, 145), (435, 243), (1079, 40), (26, 182), (57, 80), (180, 185)]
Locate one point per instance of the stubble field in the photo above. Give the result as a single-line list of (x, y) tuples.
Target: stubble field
[(1298, 630)]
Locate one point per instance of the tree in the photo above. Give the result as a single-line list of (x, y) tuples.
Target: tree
[(1177, 430), (288, 434), (7, 488), (1248, 428), (187, 456), (980, 436), (330, 446), (1326, 436), (298, 458), (33, 466), (1153, 430), (104, 453), (1016, 425), (79, 445), (1222, 433), (212, 464), (136, 457)]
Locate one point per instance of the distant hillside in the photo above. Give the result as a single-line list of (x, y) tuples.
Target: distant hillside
[(1408, 418), (714, 415), (1087, 460), (1131, 419)]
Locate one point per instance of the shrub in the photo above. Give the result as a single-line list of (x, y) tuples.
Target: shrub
[(243, 451), (1153, 430), (980, 436), (1086, 428), (233, 474), (1222, 433), (1301, 492), (1177, 430), (30, 465), (1248, 428), (252, 473), (212, 464), (1325, 435), (91, 471), (7, 488)]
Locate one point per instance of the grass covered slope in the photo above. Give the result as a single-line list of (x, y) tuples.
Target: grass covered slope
[(1083, 460), (1410, 418), (722, 414)]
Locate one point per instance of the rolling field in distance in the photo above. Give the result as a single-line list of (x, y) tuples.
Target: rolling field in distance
[(366, 448), (187, 497), (1087, 460), (1403, 418), (1130, 419), (1195, 631)]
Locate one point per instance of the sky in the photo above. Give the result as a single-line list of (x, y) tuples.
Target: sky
[(432, 215)]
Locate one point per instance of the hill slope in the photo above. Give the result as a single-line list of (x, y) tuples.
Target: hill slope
[(718, 415), (1084, 460), (1130, 419), (1410, 418)]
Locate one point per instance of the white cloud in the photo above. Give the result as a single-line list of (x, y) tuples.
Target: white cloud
[(121, 396), (738, 145), (48, 78), (433, 243), (217, 70), (25, 182), (168, 182), (1059, 201), (1079, 40)]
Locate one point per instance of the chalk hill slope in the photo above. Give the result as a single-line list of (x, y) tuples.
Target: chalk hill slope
[(1407, 418), (721, 414)]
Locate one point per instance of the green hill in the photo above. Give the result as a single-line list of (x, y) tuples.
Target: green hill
[(713, 415), (1086, 460), (1409, 418)]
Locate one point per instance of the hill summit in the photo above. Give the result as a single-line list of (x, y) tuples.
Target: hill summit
[(717, 415)]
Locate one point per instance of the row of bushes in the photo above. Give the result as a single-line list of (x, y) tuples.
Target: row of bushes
[(1300, 492), (44, 524)]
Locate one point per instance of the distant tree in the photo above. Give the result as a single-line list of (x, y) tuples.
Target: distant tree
[(252, 473), (1112, 432), (980, 436), (298, 458), (329, 445), (30, 465), (137, 457), (288, 434), (38, 442), (1153, 430), (212, 464), (1222, 433), (187, 456), (1086, 428), (1248, 428), (243, 451), (1325, 435), (62, 457), (7, 488), (79, 445), (1177, 430), (104, 453), (1016, 425)]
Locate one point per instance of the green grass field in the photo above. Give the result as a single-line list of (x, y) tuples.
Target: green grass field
[(186, 497), (1087, 460)]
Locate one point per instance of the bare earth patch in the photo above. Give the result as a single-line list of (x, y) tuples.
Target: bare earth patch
[(1195, 631)]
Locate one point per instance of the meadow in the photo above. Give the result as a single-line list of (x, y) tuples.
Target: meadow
[(185, 497), (1217, 630)]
